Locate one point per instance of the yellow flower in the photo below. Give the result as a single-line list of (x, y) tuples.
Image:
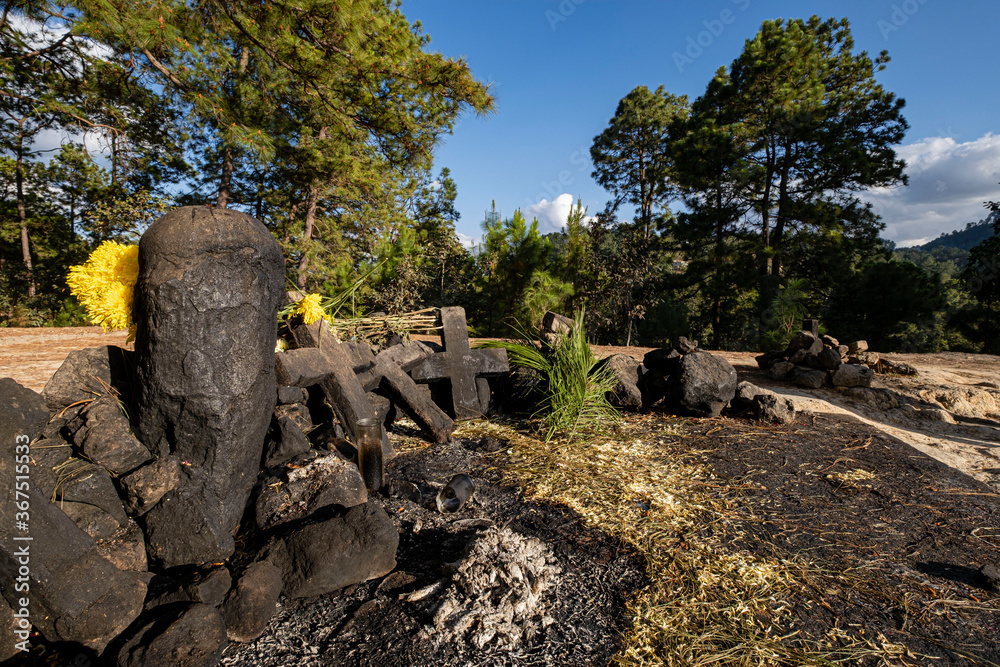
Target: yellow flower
[(311, 310), (105, 284)]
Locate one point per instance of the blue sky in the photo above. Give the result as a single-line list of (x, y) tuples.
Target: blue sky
[(559, 67)]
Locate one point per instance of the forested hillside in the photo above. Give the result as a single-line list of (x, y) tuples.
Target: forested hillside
[(968, 238), (322, 123)]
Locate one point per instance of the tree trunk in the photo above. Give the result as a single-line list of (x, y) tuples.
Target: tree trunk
[(307, 233), (226, 178), (21, 213), (780, 218), (717, 297)]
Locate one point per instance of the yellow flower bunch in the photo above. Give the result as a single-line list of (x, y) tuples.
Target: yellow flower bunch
[(104, 284), (311, 309)]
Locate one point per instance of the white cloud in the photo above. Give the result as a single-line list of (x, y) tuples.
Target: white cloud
[(949, 181), (552, 215), (468, 242)]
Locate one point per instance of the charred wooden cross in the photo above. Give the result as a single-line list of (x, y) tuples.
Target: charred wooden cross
[(465, 368)]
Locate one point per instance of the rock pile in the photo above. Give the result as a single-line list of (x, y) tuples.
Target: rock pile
[(141, 471), (811, 360), (683, 378)]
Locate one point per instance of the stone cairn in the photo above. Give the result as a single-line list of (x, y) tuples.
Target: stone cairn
[(811, 361), (146, 469)]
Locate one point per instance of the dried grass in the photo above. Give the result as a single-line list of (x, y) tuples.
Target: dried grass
[(706, 604)]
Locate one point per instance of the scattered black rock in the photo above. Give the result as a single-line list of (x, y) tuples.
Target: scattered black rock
[(703, 384), (180, 636), (625, 371), (252, 602), (337, 552)]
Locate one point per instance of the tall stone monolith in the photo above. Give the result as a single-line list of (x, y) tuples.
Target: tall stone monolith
[(210, 282)]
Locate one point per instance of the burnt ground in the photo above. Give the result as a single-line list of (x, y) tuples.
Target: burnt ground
[(893, 551), (369, 625)]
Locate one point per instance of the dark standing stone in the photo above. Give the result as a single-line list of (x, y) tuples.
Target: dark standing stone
[(703, 384), (209, 286), (811, 326), (343, 550), (181, 636), (252, 602)]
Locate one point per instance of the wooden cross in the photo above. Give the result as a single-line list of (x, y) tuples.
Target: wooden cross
[(346, 372), (461, 365)]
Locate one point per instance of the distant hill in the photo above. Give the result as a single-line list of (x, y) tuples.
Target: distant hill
[(964, 239)]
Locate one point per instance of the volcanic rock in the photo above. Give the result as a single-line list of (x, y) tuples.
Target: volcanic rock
[(703, 384), (343, 550), (852, 375), (625, 371), (179, 636), (252, 602), (105, 437), (87, 373), (323, 481), (209, 286)]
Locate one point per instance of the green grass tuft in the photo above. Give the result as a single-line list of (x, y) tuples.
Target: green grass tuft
[(575, 394)]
